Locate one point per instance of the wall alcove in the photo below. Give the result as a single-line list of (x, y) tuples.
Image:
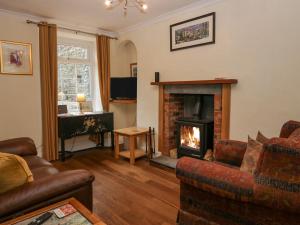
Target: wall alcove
[(123, 54)]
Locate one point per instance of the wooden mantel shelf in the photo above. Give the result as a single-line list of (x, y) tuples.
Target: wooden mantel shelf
[(216, 81)]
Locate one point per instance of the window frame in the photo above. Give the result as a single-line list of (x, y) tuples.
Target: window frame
[(89, 45)]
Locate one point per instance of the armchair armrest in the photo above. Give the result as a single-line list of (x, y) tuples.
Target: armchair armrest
[(18, 146), (215, 178), (230, 152), (43, 189)]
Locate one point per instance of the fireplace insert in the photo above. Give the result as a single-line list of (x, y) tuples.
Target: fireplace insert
[(194, 137)]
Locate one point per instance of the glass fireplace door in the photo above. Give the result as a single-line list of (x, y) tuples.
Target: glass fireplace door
[(190, 137)]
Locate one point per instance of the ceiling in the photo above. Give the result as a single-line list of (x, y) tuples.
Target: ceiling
[(92, 13)]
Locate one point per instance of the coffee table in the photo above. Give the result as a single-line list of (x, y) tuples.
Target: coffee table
[(83, 216)]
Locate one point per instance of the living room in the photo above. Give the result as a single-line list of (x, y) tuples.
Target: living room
[(148, 111)]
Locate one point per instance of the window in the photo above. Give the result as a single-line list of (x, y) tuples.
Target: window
[(76, 65)]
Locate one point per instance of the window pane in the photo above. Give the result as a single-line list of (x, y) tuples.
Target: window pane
[(73, 52), (74, 75), (83, 79), (69, 87), (66, 71)]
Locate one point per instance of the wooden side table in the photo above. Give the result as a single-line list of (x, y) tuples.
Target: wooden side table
[(82, 214), (132, 133)]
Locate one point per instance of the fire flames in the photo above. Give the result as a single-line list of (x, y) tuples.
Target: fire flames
[(190, 137)]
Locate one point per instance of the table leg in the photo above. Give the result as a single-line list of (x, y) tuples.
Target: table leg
[(132, 140), (117, 146), (102, 139), (62, 149), (112, 140)]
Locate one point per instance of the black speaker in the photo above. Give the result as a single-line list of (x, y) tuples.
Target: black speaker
[(156, 77)]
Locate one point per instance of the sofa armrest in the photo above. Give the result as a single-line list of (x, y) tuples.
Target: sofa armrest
[(216, 178), (278, 165), (18, 146), (230, 152), (43, 189)]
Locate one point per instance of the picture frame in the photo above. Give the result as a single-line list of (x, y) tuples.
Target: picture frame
[(194, 32), (133, 70), (15, 58)]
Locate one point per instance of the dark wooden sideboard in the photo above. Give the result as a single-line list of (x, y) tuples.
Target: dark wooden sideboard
[(96, 123)]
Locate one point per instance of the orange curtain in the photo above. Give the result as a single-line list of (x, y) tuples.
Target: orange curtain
[(103, 55), (48, 67)]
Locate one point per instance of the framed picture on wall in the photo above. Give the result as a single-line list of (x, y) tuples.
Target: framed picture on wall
[(133, 69), (194, 32), (15, 58)]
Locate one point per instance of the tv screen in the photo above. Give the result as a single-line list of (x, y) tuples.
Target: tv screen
[(123, 87)]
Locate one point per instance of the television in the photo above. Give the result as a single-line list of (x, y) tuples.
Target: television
[(123, 88)]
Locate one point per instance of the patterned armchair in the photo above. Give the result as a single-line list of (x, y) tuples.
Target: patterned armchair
[(219, 192)]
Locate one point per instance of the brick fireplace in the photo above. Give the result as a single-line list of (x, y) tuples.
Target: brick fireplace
[(172, 107)]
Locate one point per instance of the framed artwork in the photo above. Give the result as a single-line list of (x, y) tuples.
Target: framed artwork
[(194, 32), (15, 58), (133, 69)]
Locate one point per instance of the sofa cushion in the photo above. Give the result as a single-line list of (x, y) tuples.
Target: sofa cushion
[(34, 161), (261, 138), (14, 172), (251, 157), (41, 172)]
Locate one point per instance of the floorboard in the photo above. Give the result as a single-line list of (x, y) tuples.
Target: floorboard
[(128, 195)]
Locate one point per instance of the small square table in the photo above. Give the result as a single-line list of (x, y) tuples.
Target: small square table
[(132, 133)]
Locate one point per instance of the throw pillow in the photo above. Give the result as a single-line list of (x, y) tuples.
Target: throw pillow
[(14, 172), (261, 138), (295, 134), (253, 151), (209, 155)]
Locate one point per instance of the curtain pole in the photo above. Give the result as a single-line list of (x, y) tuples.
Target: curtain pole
[(69, 29)]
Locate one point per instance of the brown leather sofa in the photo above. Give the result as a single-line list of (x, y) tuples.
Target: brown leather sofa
[(49, 185)]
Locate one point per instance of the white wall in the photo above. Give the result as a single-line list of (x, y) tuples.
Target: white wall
[(122, 55), (257, 42), (20, 101)]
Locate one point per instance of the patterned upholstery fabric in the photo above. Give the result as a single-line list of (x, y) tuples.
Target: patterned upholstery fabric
[(217, 193), (288, 128), (295, 134), (278, 174), (198, 207), (216, 178), (261, 138), (252, 154), (230, 152)]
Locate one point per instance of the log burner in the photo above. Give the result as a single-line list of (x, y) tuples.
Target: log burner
[(195, 134)]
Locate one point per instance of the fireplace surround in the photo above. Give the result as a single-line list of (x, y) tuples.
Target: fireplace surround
[(171, 108)]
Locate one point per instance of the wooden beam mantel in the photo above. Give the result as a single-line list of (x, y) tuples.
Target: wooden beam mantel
[(194, 82)]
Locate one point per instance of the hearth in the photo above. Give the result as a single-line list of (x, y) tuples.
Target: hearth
[(194, 137)]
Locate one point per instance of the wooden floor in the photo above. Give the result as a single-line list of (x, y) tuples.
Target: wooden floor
[(128, 195)]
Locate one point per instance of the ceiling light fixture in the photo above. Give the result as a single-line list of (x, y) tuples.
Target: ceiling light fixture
[(139, 4)]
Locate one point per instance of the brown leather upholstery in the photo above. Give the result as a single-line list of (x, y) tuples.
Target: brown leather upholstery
[(49, 185), (18, 146)]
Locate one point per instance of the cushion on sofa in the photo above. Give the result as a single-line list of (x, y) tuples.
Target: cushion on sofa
[(34, 161), (251, 157), (14, 172), (261, 138)]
